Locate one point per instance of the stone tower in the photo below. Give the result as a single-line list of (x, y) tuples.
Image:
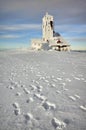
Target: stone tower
[(50, 39), (47, 27)]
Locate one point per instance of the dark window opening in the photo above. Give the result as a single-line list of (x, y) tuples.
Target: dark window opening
[(51, 24)]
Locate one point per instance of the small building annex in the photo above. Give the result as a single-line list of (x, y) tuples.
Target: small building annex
[(50, 39)]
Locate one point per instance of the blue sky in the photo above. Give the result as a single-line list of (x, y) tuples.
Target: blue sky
[(20, 21)]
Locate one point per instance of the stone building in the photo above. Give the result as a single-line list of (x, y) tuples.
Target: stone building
[(50, 39)]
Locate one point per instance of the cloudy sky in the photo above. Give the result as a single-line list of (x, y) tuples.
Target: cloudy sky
[(20, 21)]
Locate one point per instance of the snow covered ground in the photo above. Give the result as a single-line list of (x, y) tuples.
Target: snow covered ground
[(44, 90)]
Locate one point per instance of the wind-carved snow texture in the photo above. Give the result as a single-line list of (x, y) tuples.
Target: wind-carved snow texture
[(43, 90)]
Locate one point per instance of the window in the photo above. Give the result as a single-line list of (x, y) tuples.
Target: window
[(51, 24)]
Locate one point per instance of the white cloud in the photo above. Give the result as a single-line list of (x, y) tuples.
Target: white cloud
[(9, 36), (20, 27), (71, 28), (79, 39)]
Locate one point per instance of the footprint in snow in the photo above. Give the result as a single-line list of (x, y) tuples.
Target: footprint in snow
[(17, 110), (36, 82), (72, 98), (59, 79), (46, 81), (22, 86), (26, 91), (57, 124), (68, 80), (33, 87), (12, 82), (40, 97), (67, 121), (33, 81), (29, 100), (10, 87), (59, 92), (18, 94), (39, 87), (15, 105), (76, 78), (28, 119), (82, 79), (63, 84), (16, 84), (77, 96), (55, 80), (83, 108), (28, 116), (65, 89), (47, 105), (53, 85)]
